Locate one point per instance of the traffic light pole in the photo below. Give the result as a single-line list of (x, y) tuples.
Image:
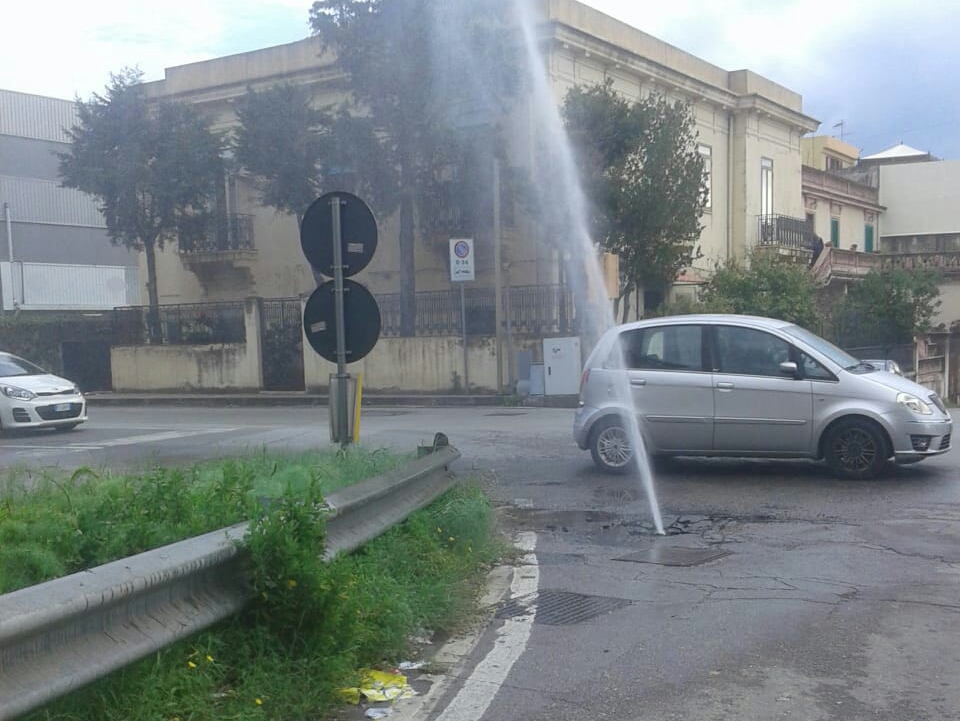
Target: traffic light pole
[(342, 413)]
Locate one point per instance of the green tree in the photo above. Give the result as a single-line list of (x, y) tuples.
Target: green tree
[(888, 308), (280, 141), (413, 71), (297, 151), (768, 286), (153, 168), (644, 179)]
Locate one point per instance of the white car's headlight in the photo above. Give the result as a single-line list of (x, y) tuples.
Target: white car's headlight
[(914, 404), (18, 394)]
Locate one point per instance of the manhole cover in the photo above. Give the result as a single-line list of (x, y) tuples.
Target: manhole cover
[(666, 556), (561, 608)]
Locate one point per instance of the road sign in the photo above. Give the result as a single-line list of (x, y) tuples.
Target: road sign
[(358, 231), (361, 321), (461, 259)]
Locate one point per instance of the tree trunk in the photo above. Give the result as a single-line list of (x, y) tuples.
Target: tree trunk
[(408, 261), (153, 295)]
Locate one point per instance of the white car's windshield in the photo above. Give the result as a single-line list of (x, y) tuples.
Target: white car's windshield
[(838, 356), (11, 366)]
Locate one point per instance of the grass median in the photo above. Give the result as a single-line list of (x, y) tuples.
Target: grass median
[(312, 626)]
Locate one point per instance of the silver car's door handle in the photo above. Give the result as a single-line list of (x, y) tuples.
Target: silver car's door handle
[(725, 385), (637, 382)]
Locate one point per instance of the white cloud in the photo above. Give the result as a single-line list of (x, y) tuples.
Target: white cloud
[(63, 48)]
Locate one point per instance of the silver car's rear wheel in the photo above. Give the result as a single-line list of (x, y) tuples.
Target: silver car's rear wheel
[(856, 449), (610, 446)]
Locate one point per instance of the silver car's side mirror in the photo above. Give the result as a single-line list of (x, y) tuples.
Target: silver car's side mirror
[(789, 368)]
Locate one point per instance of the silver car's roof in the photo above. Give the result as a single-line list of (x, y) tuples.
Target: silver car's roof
[(754, 321)]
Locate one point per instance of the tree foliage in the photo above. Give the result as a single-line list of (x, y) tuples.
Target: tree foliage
[(432, 77), (296, 151), (643, 177), (280, 141), (888, 308), (153, 168), (768, 286)]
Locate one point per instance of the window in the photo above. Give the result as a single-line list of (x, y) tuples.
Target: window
[(678, 348), (834, 163), (835, 232), (813, 370), (812, 222), (706, 152), (868, 238), (746, 351), (766, 186)]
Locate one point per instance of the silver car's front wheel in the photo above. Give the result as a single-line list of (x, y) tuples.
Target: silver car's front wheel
[(610, 446), (856, 449)]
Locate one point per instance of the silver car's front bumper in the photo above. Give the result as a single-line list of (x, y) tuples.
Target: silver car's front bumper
[(921, 439)]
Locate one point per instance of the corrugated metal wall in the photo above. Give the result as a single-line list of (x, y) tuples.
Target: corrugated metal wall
[(44, 201), (48, 286), (36, 116)]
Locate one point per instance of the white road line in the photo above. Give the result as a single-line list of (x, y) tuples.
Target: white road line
[(472, 701), (128, 441), (152, 438)]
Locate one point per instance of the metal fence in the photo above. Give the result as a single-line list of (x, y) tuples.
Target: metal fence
[(183, 324), (785, 232), (533, 309), (233, 231)]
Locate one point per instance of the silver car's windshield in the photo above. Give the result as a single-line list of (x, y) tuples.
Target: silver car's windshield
[(11, 366), (826, 348)]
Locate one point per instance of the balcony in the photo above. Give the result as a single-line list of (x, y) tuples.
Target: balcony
[(233, 233), (791, 236), (227, 251), (945, 262), (839, 264)]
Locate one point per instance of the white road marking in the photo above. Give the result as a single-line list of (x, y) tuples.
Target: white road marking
[(473, 700), (157, 437), (127, 441)]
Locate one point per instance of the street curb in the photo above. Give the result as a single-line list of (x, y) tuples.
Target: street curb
[(268, 400)]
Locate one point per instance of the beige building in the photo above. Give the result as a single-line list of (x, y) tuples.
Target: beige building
[(750, 131), (825, 152), (843, 211)]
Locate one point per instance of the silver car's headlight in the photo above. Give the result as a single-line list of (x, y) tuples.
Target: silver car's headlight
[(18, 394), (914, 404)]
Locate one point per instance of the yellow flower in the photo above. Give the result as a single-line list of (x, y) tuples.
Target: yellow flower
[(469, 549), (439, 530), (451, 539), (191, 664), (258, 701), (291, 583), (209, 658)]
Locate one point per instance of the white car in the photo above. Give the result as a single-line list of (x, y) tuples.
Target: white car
[(32, 398)]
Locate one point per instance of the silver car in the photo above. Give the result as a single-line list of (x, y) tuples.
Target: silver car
[(733, 385)]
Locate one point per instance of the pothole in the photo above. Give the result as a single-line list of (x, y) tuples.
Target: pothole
[(675, 556)]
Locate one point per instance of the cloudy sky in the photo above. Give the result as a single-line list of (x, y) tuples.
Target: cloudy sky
[(883, 67)]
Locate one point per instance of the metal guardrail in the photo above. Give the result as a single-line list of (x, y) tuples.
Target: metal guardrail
[(58, 636)]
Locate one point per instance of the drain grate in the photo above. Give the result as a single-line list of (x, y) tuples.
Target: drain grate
[(665, 556), (561, 608)]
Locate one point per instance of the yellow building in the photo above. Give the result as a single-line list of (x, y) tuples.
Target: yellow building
[(750, 132)]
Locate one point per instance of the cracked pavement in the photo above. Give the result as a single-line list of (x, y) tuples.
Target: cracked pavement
[(838, 600)]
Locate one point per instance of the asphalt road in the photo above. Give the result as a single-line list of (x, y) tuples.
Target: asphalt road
[(836, 600)]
